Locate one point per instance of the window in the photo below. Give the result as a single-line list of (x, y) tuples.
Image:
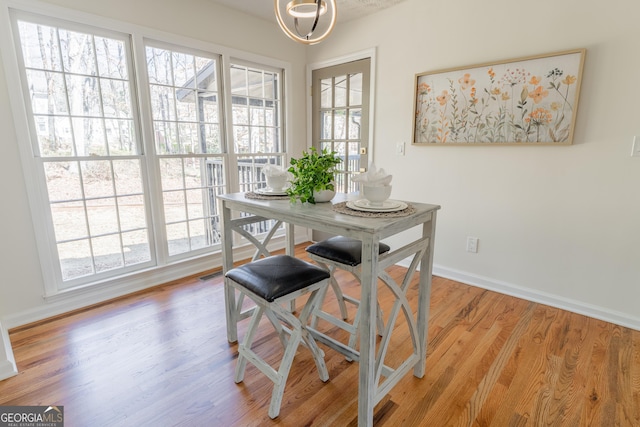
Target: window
[(103, 181), (257, 127), (87, 143), (185, 93)]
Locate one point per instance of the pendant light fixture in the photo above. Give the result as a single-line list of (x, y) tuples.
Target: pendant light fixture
[(306, 21)]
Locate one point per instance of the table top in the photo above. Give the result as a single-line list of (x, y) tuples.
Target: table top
[(322, 217)]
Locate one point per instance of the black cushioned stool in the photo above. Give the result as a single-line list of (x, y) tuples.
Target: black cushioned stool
[(270, 282), (346, 254)]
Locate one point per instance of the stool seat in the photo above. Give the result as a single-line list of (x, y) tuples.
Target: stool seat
[(276, 276), (342, 249)]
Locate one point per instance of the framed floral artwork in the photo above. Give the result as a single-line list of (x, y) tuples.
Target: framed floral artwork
[(529, 100)]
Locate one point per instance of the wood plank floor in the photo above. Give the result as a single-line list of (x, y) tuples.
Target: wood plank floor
[(161, 358)]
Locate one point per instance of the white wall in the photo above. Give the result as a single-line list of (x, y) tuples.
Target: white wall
[(21, 282), (559, 225)]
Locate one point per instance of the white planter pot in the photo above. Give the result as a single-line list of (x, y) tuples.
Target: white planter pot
[(323, 195)]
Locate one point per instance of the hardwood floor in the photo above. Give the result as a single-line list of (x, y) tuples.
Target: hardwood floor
[(161, 358)]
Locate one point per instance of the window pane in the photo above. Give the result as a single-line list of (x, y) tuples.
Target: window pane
[(63, 181), (355, 89), (90, 137), (102, 216), (239, 80), (69, 221), (198, 231), (112, 58), (107, 252), (256, 87), (116, 98), (132, 213), (355, 118), (159, 66), (206, 76), (78, 56), (178, 238), (209, 105), (339, 125), (47, 91), (84, 99), (120, 137), (162, 103), (128, 177), (40, 46), (340, 91), (326, 93), (166, 137), (97, 179), (174, 206), (183, 70), (76, 259), (136, 249)]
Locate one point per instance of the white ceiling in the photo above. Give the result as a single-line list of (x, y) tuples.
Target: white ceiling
[(347, 9)]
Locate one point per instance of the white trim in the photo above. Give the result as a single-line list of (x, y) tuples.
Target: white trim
[(545, 298), (8, 366), (356, 56)]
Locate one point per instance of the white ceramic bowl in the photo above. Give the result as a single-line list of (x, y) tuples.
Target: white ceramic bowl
[(276, 182), (376, 195)]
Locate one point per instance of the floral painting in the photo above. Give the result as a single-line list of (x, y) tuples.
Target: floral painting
[(524, 101)]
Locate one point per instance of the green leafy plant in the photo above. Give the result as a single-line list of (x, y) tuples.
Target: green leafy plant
[(313, 171)]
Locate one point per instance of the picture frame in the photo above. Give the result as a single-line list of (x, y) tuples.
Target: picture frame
[(524, 101)]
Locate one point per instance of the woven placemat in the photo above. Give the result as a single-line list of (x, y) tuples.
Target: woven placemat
[(342, 208), (252, 195)]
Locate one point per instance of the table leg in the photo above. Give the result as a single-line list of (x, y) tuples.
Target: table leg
[(368, 303), (424, 296), (227, 264), (290, 250)]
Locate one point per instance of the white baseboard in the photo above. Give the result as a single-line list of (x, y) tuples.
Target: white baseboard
[(8, 366), (568, 304)]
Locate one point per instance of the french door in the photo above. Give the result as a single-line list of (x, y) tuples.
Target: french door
[(340, 120)]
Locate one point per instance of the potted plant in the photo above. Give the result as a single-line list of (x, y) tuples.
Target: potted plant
[(312, 173)]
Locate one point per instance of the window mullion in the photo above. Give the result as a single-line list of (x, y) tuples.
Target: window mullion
[(151, 173)]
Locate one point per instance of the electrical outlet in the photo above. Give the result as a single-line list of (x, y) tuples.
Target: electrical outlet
[(472, 244)]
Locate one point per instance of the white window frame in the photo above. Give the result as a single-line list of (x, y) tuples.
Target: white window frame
[(165, 269)]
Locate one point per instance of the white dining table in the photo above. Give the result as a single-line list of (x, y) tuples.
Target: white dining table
[(376, 379)]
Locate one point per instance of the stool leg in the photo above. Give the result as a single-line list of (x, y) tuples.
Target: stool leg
[(339, 296), (336, 290), (241, 363), (283, 371), (278, 327), (318, 355)]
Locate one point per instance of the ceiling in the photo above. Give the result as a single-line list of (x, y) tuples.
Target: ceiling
[(347, 9)]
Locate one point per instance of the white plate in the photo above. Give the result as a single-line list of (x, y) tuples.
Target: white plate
[(269, 192), (386, 206)]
